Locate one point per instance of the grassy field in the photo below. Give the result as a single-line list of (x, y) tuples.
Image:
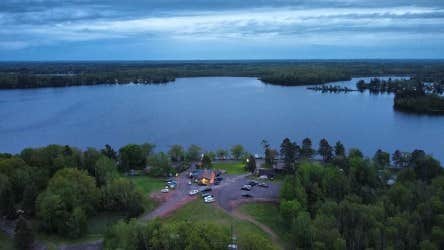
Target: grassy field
[(147, 184), (5, 242), (265, 213), (199, 211), (231, 167)]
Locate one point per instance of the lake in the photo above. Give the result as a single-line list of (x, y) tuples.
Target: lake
[(213, 112)]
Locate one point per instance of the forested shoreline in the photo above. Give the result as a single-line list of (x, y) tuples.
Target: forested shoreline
[(22, 75)]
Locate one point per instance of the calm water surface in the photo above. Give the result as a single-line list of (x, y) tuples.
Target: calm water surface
[(213, 112)]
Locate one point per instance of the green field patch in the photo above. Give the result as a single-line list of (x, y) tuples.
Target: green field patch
[(231, 167), (197, 211)]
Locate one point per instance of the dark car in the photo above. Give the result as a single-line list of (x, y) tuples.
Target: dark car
[(263, 184), (207, 189), (253, 183), (246, 195), (216, 183), (219, 178), (205, 194)]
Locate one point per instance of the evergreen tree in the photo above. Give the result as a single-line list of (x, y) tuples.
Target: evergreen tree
[(339, 149), (289, 151), (307, 151), (325, 150)]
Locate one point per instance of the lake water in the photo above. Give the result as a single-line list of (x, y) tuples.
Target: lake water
[(213, 112)]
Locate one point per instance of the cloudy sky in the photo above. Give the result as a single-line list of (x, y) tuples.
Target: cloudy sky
[(220, 29)]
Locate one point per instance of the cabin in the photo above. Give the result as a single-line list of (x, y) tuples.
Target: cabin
[(206, 177)]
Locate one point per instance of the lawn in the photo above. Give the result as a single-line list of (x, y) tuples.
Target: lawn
[(231, 167), (6, 243), (147, 184), (198, 211), (267, 214)]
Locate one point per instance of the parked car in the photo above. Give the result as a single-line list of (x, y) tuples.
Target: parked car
[(246, 187), (263, 184), (253, 183), (193, 192), (246, 195), (263, 177), (216, 183), (205, 194), (164, 190), (209, 199), (207, 189), (219, 178)]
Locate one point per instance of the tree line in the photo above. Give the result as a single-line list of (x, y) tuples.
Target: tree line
[(287, 73)]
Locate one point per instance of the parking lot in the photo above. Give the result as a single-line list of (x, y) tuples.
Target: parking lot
[(229, 194)]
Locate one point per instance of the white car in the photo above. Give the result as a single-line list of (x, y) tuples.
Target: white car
[(164, 190), (209, 199), (193, 192), (189, 182)]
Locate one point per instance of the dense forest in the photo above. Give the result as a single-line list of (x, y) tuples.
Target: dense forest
[(348, 201), (330, 199), (289, 73), (411, 95)]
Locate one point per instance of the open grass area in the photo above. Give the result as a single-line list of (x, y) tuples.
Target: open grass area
[(265, 213), (147, 184), (198, 211), (6, 243), (231, 167)]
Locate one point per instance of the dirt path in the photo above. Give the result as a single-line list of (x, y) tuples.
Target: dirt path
[(235, 212), (238, 214)]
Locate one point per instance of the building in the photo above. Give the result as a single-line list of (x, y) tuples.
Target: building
[(206, 177)]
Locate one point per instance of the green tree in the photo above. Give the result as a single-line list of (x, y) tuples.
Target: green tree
[(177, 153), (307, 150), (132, 156), (105, 170), (381, 158), (68, 189), (237, 151), (339, 149), (254, 242), (159, 165), (90, 157), (206, 161), (289, 210), (222, 153), (24, 236), (122, 195), (302, 232), (109, 152), (355, 153), (193, 153), (289, 151), (76, 225), (325, 150)]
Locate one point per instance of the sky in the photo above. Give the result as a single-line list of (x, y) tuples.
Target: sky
[(220, 29)]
